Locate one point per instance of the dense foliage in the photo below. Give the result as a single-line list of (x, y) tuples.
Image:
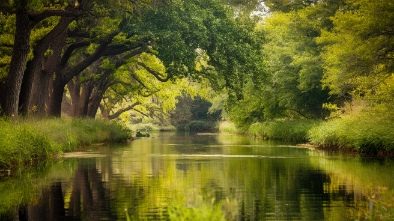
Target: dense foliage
[(329, 60), (193, 114), (81, 56), (316, 59)]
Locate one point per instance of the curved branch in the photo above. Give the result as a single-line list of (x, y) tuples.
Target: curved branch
[(119, 112), (69, 11), (138, 80), (67, 54), (141, 112), (156, 74), (149, 93)]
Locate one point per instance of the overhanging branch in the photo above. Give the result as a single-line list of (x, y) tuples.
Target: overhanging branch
[(156, 74), (119, 112)]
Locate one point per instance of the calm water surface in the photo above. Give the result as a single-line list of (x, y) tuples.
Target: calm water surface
[(205, 176)]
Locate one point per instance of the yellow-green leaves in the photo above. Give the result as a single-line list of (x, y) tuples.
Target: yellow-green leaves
[(358, 51)]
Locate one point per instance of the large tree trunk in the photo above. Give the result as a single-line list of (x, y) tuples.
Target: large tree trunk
[(41, 68), (80, 96), (74, 88), (94, 105), (56, 97), (84, 101), (18, 61)]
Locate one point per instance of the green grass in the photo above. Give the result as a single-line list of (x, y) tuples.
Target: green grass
[(364, 133), (25, 141), (286, 130)]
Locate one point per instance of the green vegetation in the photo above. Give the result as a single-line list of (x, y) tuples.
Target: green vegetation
[(322, 61), (294, 130), (361, 132), (286, 130), (205, 211), (365, 133), (25, 186), (303, 61), (28, 141)]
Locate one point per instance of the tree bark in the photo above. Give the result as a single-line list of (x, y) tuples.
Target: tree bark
[(40, 69), (10, 99), (56, 97), (74, 89)]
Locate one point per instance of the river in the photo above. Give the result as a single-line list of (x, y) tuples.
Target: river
[(172, 176)]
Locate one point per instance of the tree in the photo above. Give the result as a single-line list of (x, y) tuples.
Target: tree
[(26, 19), (289, 5), (291, 86), (80, 44), (358, 51)]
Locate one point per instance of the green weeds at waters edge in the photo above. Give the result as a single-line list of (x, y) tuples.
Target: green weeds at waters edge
[(371, 136), (362, 133), (29, 140), (286, 130)]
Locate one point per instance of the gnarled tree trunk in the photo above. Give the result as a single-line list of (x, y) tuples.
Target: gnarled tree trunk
[(12, 88)]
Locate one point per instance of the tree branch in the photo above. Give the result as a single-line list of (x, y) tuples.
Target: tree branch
[(138, 80), (69, 11), (119, 112), (67, 54), (156, 74)]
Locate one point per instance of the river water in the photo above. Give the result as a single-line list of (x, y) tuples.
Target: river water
[(171, 176)]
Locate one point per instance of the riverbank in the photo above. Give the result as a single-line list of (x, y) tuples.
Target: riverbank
[(26, 141), (360, 134), (295, 131)]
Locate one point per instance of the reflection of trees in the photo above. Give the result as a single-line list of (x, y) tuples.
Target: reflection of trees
[(140, 185), (87, 200)]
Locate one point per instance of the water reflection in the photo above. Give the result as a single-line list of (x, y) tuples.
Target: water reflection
[(217, 176)]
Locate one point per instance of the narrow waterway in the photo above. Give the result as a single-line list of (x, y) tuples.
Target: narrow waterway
[(170, 176)]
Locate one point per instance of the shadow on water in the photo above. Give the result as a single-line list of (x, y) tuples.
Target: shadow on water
[(200, 177)]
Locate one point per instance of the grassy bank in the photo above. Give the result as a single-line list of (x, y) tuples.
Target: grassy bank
[(286, 130), (27, 140), (365, 134)]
